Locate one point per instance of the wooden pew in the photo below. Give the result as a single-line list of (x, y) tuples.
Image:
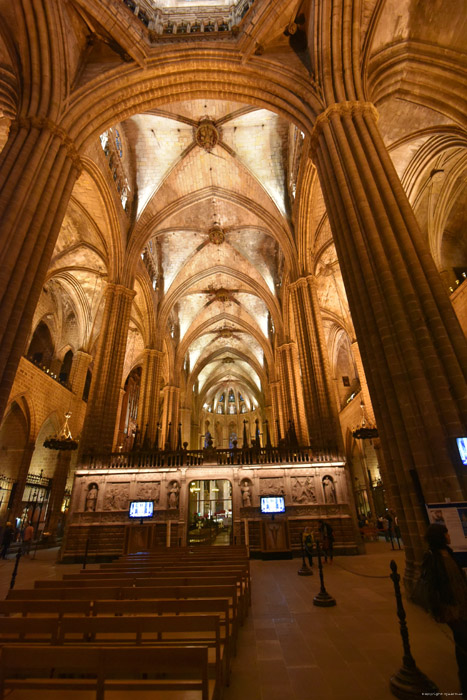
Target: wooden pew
[(166, 571), (134, 593), (21, 609), (209, 606), (184, 630), (28, 608), (38, 669)]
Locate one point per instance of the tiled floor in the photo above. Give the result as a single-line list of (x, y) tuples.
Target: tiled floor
[(290, 649)]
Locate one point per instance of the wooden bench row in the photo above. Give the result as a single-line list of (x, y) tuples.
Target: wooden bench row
[(45, 671), (147, 601), (192, 630)]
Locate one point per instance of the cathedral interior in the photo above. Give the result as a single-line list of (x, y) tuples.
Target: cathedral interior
[(232, 236)]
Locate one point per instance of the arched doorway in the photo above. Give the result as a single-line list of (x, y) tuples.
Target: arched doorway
[(210, 512)]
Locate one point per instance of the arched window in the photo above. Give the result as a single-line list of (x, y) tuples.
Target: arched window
[(41, 347), (65, 369)]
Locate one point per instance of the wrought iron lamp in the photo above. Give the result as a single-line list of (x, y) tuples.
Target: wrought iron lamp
[(63, 440)]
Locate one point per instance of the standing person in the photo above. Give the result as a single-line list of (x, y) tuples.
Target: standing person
[(327, 540), (8, 534), (443, 586), (308, 541), (27, 538)]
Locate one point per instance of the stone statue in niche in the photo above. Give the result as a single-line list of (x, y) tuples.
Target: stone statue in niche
[(116, 497), (245, 488), (91, 498), (272, 487), (329, 488), (302, 490), (173, 491), (148, 491)]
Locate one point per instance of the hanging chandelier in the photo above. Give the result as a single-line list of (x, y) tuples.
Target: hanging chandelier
[(365, 431), (63, 440)]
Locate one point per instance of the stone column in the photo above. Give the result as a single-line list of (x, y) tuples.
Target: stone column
[(363, 382), (185, 419), (148, 409), (277, 413), (101, 416), (413, 350), (57, 491), (318, 392), (292, 394), (16, 509), (79, 370), (170, 414), (38, 168)]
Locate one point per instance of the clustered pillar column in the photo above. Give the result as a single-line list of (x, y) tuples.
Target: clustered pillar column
[(413, 349), (318, 392), (79, 370), (277, 417), (170, 415), (148, 409), (16, 505), (101, 416), (58, 491), (38, 168), (292, 393)]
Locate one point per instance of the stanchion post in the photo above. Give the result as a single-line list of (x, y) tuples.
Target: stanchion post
[(409, 683), (323, 599), (86, 554), (15, 570), (305, 570)]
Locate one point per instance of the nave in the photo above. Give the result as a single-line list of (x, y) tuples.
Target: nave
[(288, 648)]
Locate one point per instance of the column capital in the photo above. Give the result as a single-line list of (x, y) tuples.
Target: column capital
[(152, 352), (286, 346), (113, 288), (303, 281), (45, 124), (341, 109)]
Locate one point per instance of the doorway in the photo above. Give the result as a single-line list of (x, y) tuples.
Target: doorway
[(210, 512)]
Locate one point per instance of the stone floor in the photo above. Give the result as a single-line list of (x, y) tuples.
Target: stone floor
[(290, 649)]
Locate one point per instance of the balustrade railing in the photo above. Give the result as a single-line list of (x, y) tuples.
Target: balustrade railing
[(142, 459), (181, 21)]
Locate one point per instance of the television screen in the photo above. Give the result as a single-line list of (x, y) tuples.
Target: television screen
[(272, 504), (141, 509), (462, 447)]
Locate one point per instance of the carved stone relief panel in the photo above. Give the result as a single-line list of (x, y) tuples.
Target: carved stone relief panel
[(116, 496), (271, 486), (148, 491), (303, 490)]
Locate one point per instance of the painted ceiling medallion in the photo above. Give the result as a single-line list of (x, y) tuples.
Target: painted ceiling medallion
[(228, 361), (206, 135), (222, 295), (225, 333), (216, 234)]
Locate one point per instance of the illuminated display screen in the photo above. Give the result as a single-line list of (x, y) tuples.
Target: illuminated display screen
[(141, 509), (462, 447), (272, 504)]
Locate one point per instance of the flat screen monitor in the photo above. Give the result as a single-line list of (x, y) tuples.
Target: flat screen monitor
[(141, 509), (272, 504), (462, 447)]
